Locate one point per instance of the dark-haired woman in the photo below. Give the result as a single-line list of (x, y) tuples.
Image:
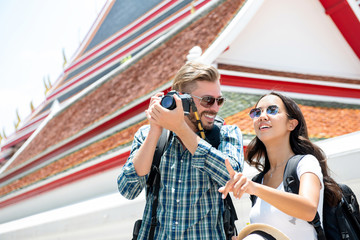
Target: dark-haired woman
[(281, 133)]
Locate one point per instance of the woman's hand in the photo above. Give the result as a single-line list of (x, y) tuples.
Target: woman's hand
[(238, 183)]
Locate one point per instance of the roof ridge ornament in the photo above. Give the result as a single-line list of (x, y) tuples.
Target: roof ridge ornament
[(194, 54)]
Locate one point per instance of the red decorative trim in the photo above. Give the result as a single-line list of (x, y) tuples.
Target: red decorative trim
[(26, 136), (16, 141), (295, 87), (117, 57), (346, 21), (105, 126), (108, 164), (226, 80), (123, 53), (138, 25), (30, 123)]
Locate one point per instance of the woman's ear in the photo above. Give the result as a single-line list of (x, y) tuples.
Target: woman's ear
[(292, 124)]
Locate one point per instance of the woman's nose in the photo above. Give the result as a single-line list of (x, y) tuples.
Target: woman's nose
[(263, 116)]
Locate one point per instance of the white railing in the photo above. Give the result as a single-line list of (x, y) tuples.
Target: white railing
[(111, 216)]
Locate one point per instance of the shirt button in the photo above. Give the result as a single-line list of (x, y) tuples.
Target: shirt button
[(178, 201), (180, 181)]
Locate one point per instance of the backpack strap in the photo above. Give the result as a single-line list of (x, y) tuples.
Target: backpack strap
[(257, 178), (292, 183), (153, 182), (159, 150), (351, 208), (290, 180), (316, 223), (213, 137), (230, 217)]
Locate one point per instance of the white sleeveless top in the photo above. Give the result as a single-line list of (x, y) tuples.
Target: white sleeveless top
[(294, 228)]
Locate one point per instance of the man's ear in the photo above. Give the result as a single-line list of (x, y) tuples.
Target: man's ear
[(292, 124)]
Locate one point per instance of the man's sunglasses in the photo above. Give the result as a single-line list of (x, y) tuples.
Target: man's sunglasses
[(208, 101), (270, 110)]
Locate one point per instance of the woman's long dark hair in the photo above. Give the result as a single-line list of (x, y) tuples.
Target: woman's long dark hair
[(300, 145)]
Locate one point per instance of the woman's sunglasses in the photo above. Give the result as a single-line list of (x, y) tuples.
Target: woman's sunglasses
[(208, 101), (270, 110)]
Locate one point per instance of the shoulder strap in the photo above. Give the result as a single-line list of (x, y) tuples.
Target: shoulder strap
[(160, 147), (153, 182), (290, 180), (229, 216), (292, 183), (257, 178), (159, 150)]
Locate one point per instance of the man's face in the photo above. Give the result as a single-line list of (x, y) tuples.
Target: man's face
[(207, 114)]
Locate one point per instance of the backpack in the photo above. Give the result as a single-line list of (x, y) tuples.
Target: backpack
[(153, 183), (340, 222)]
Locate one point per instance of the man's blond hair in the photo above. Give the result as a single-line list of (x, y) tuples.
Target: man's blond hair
[(186, 78)]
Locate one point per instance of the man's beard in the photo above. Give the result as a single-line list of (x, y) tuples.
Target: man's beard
[(206, 126)]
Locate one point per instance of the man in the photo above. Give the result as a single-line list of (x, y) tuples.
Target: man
[(190, 206)]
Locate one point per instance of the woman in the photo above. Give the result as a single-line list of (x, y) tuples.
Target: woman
[(281, 133)]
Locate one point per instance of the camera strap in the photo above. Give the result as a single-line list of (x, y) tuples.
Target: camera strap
[(198, 121)]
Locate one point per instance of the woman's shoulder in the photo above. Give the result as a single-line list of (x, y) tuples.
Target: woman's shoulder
[(309, 159), (309, 163)]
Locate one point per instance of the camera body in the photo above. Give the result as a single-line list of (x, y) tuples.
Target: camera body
[(168, 101)]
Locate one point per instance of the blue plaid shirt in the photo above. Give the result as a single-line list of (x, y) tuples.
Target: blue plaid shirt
[(190, 206)]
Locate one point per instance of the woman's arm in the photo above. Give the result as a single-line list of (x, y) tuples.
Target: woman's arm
[(303, 205)]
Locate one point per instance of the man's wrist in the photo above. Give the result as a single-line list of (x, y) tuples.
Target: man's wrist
[(155, 131)]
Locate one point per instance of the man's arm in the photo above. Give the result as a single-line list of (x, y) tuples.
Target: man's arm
[(132, 176), (143, 158), (212, 160)]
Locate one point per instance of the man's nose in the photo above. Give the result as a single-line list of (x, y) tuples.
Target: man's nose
[(215, 107)]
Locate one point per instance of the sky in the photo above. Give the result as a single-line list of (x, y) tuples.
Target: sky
[(33, 36)]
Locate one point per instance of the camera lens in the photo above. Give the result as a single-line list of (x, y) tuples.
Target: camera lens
[(168, 102)]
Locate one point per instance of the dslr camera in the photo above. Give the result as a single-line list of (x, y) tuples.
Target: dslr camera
[(168, 101)]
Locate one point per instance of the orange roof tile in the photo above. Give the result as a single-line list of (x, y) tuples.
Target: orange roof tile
[(322, 122)]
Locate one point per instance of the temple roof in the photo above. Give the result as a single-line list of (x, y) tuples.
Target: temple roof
[(98, 104), (324, 120)]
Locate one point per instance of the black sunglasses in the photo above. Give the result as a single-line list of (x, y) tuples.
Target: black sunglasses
[(208, 101), (270, 110)]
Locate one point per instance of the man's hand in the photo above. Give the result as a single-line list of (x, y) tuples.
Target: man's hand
[(155, 100), (172, 120)]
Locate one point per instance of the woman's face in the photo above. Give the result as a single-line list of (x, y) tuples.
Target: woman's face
[(273, 122)]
